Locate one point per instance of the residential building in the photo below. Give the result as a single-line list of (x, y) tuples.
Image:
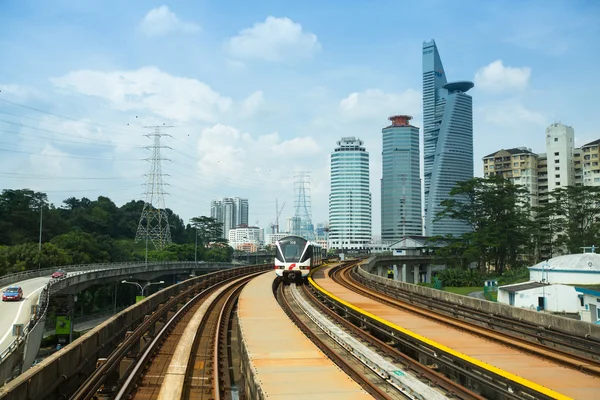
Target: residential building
[(518, 165), (401, 180), (231, 212), (589, 156), (350, 198), (447, 140), (561, 165), (245, 238), (560, 144)]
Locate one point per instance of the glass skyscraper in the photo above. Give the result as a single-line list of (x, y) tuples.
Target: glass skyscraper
[(447, 140), (400, 181), (350, 198)]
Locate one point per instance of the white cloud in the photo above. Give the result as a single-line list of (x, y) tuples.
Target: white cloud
[(276, 40), (253, 103), (497, 77), (148, 88), (374, 103), (161, 21), (510, 112), (20, 92), (231, 158)]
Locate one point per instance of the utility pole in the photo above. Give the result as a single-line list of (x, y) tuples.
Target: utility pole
[(154, 224), (40, 242)]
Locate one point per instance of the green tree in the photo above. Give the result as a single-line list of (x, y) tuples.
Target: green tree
[(576, 210), (208, 230), (498, 215)]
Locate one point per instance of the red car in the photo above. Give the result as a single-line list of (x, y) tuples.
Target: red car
[(59, 274), (14, 293)]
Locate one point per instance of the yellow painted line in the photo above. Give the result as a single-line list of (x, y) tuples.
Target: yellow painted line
[(505, 374)]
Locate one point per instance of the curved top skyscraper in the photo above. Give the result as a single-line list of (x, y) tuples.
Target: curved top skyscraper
[(448, 140)]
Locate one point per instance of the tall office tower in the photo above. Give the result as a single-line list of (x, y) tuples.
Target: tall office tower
[(241, 211), (447, 140), (231, 212), (560, 144), (350, 198), (400, 181)]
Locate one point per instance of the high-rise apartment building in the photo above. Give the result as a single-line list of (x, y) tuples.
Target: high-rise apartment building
[(231, 212), (447, 140), (518, 165), (561, 165), (350, 198), (560, 144), (400, 180)]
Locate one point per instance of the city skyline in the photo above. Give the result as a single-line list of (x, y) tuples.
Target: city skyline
[(266, 90)]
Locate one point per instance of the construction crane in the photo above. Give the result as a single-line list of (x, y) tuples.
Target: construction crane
[(275, 226)]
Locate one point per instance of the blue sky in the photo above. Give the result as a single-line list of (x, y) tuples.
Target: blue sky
[(255, 90)]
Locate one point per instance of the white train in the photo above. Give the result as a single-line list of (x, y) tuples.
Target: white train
[(294, 258)]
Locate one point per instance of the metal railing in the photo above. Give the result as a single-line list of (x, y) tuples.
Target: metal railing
[(56, 285)]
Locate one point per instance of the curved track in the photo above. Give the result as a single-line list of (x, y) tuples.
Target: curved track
[(175, 357), (183, 360), (358, 373), (574, 359), (427, 374)]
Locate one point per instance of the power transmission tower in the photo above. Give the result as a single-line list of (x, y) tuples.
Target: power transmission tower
[(302, 223), (154, 223)]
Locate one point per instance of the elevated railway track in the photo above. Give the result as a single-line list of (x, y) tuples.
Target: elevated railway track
[(571, 358)]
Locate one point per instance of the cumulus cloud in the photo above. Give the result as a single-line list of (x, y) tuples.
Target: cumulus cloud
[(162, 21), (231, 158), (20, 92), (375, 103), (275, 40), (498, 77), (148, 88)]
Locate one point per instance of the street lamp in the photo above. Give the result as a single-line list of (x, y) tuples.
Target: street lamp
[(143, 288)]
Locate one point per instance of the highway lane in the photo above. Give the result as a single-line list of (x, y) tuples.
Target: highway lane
[(19, 312)]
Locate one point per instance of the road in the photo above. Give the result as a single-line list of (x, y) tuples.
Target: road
[(19, 312), (477, 295)]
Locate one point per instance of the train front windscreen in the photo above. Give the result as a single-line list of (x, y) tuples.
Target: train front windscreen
[(292, 249)]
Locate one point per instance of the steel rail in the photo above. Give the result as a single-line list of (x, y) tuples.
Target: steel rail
[(89, 388), (568, 359), (226, 310), (436, 378), (588, 346), (141, 364), (355, 374)]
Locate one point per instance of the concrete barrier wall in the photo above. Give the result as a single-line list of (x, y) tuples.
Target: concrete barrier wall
[(576, 327), (12, 361), (32, 344), (252, 384), (61, 373)]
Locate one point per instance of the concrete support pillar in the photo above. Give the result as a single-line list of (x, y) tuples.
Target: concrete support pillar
[(396, 277), (416, 274), (403, 272), (429, 277)]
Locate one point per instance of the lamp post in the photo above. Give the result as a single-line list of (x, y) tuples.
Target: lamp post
[(544, 281), (196, 247), (143, 288), (40, 241)]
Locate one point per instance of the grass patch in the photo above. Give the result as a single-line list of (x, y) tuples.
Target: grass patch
[(464, 290)]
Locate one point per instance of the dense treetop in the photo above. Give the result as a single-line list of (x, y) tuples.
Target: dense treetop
[(91, 231)]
